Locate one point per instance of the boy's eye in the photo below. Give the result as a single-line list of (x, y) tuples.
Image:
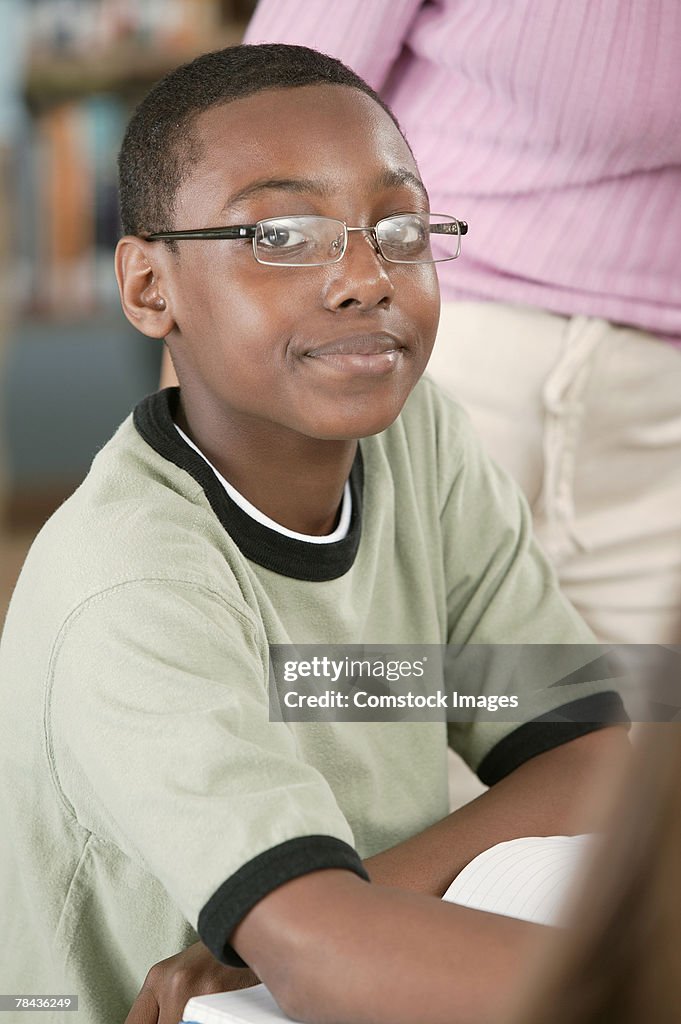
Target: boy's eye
[(281, 234), (407, 233)]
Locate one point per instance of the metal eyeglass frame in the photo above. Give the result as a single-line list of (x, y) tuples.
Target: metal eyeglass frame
[(242, 231)]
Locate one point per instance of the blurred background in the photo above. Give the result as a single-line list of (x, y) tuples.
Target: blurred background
[(71, 368)]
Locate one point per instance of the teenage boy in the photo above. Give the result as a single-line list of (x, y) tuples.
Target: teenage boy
[(147, 795)]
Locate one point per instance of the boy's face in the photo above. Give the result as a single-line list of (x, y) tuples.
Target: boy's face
[(328, 352)]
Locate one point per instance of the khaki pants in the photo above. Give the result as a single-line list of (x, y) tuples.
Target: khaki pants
[(587, 417)]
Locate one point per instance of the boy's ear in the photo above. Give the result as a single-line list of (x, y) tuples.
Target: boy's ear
[(141, 296)]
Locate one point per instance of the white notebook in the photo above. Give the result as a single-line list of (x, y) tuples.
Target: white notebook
[(248, 1006), (525, 878)]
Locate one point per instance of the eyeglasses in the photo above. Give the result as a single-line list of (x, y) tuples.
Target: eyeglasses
[(308, 241)]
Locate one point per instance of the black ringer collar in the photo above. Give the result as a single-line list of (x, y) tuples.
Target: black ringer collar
[(154, 421)]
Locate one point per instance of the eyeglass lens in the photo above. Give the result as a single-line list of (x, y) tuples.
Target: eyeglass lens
[(299, 241), (309, 240)]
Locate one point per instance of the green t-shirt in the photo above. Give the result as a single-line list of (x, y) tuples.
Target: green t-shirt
[(144, 792)]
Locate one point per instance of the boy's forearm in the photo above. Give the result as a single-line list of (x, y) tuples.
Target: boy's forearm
[(332, 948), (551, 794), (555, 793)]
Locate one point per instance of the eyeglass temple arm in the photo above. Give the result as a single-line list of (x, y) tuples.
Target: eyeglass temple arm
[(458, 227), (236, 231)]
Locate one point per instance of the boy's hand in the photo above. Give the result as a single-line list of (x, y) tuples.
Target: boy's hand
[(170, 983)]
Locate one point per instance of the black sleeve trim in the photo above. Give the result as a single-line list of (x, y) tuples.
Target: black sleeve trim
[(565, 723), (260, 876)]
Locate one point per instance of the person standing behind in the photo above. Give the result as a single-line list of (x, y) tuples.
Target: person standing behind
[(557, 128), (620, 959)]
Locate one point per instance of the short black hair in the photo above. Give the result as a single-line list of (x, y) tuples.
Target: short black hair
[(160, 145)]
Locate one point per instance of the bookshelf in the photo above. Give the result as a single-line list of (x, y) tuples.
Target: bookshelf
[(90, 61), (74, 367)]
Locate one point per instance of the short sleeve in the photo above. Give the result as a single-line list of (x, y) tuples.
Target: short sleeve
[(511, 631), (160, 742)]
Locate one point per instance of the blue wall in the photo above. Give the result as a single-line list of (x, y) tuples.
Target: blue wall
[(67, 387)]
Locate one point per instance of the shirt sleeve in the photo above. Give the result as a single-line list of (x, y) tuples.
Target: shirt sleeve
[(368, 37), (161, 744), (511, 631)]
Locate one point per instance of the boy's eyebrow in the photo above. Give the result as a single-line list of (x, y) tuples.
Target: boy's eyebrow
[(390, 178), (396, 177), (304, 186)]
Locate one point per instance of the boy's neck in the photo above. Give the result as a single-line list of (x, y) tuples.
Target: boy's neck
[(295, 480)]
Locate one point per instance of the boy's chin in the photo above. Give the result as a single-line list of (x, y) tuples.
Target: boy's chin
[(355, 424)]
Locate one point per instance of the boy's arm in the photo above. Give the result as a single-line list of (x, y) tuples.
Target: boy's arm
[(555, 793), (551, 794), (332, 948)]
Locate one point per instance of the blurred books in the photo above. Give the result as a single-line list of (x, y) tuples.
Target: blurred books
[(90, 62), (68, 207), (91, 27)]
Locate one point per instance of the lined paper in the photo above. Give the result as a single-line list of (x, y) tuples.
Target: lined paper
[(528, 878)]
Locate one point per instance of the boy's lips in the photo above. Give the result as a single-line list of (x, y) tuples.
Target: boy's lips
[(357, 344), (372, 354)]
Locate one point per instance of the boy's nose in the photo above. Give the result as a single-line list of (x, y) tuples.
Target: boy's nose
[(361, 279)]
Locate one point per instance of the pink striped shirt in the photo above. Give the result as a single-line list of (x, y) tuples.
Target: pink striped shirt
[(552, 126)]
